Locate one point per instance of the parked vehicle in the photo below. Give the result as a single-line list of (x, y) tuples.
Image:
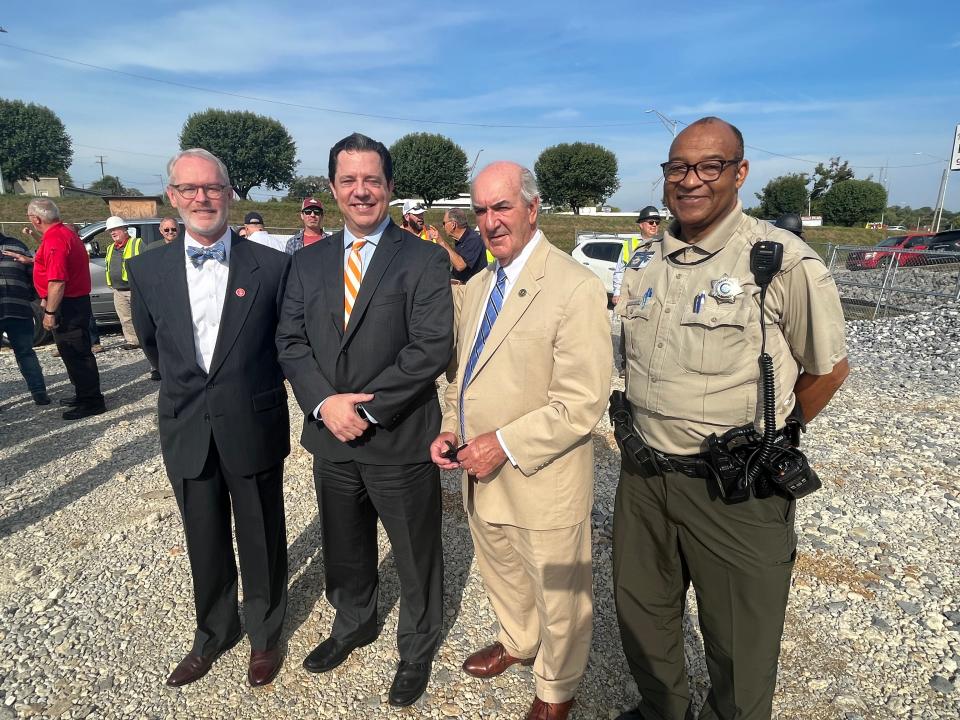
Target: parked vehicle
[(946, 241), (892, 247), (600, 255)]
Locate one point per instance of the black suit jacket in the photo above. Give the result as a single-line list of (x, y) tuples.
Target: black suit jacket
[(398, 342), (242, 400)]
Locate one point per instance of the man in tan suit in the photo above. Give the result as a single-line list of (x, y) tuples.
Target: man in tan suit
[(533, 374)]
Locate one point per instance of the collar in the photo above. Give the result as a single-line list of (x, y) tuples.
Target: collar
[(373, 238), (258, 232), (512, 271), (713, 242), (226, 239)]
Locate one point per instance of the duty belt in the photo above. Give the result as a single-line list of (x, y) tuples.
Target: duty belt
[(694, 466)]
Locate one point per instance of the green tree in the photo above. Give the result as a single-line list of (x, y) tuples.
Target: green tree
[(111, 185), (33, 142), (304, 186), (825, 176), (853, 202), (577, 174), (784, 194), (257, 150), (428, 166)]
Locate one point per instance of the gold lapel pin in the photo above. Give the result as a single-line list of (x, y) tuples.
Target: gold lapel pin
[(522, 293)]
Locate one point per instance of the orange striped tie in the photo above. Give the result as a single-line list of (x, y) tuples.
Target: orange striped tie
[(351, 280)]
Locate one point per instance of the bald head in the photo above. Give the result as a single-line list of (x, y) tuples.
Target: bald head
[(506, 201), (716, 125)]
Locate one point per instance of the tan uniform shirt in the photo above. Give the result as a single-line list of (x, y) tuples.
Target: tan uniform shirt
[(691, 364)]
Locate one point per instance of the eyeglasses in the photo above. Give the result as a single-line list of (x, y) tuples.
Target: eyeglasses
[(214, 192), (168, 230), (656, 222), (706, 170), (317, 213)]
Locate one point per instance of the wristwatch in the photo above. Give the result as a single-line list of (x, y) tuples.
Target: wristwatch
[(48, 312)]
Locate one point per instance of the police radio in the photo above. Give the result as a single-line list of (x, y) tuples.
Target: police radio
[(740, 462)]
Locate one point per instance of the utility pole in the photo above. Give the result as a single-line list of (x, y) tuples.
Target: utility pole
[(99, 162), (669, 123)]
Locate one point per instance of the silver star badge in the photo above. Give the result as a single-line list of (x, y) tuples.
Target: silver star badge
[(726, 289)]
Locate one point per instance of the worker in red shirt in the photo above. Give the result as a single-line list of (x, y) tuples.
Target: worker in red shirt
[(61, 276)]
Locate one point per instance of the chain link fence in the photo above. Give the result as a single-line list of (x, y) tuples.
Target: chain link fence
[(878, 282)]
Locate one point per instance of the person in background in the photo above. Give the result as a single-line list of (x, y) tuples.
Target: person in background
[(61, 276), (16, 313), (791, 222), (311, 215), (117, 256), (253, 223), (466, 251), (413, 221)]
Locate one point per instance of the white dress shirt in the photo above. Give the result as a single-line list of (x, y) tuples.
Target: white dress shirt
[(512, 271), (264, 238), (207, 287), (366, 255)]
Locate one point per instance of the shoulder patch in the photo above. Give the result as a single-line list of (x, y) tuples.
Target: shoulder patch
[(640, 259)]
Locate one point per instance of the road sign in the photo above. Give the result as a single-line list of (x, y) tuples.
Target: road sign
[(955, 155)]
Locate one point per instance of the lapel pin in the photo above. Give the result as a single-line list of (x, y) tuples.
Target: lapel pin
[(240, 292), (522, 293)]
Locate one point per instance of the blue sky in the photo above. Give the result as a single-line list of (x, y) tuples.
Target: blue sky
[(873, 82)]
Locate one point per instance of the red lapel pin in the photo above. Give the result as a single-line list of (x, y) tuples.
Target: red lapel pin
[(240, 292)]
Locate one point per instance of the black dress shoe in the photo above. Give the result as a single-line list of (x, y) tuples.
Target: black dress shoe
[(409, 683), (331, 652), (79, 412), (630, 715), (154, 374), (69, 402), (41, 399)]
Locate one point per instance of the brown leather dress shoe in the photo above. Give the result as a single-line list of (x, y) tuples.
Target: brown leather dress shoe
[(491, 661), (264, 666), (541, 710), (191, 668)]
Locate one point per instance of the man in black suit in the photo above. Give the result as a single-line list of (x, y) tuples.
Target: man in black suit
[(366, 328), (206, 310)]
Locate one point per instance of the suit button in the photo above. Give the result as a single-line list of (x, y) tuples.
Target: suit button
[(206, 416), (210, 385)]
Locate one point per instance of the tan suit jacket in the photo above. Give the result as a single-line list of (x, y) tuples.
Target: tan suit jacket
[(542, 380)]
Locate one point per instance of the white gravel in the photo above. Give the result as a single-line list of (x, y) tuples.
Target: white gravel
[(95, 594)]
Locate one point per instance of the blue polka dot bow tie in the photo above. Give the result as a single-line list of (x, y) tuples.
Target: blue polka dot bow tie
[(199, 255)]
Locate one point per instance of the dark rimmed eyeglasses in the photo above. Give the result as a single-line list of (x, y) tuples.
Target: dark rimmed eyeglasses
[(312, 211), (706, 170), (214, 192), (652, 222), (168, 230)]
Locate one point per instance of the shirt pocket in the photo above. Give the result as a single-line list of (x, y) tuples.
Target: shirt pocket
[(716, 341), (639, 326)]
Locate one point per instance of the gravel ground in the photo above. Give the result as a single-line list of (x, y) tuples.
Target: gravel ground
[(95, 594)]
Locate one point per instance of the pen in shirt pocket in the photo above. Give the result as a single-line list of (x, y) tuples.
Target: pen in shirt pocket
[(698, 302), (647, 296)]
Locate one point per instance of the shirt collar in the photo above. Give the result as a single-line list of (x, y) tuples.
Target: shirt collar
[(373, 238), (512, 271), (711, 243), (226, 239)]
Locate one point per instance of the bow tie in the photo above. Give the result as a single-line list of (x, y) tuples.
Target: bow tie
[(199, 255)]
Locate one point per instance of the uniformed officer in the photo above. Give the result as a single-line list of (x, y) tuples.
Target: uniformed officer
[(691, 318), (791, 222), (649, 223)]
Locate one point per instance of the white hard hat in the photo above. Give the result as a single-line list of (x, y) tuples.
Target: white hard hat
[(115, 221)]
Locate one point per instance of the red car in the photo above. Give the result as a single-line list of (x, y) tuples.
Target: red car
[(871, 259)]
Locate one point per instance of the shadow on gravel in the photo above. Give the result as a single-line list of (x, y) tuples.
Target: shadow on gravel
[(305, 552), (133, 453)]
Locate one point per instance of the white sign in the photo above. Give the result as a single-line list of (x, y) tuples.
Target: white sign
[(955, 155)]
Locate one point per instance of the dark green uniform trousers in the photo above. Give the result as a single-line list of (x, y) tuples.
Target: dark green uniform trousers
[(669, 530)]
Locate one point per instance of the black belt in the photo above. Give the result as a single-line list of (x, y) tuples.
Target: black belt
[(695, 466)]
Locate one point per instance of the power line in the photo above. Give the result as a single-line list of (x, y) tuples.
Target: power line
[(419, 121)]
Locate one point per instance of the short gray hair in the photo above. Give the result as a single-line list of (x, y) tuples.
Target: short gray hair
[(44, 208), (200, 153), (529, 190), (457, 216)]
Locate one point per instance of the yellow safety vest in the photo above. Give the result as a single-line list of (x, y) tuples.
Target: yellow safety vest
[(629, 246), (129, 250)]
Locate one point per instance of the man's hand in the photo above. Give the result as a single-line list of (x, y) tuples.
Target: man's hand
[(439, 446), (49, 322), (615, 299), (433, 233), (18, 257), (339, 414), (482, 455)]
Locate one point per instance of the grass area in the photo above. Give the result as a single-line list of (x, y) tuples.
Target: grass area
[(561, 229)]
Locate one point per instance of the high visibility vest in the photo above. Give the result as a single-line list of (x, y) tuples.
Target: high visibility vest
[(490, 257), (129, 250), (630, 246)]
